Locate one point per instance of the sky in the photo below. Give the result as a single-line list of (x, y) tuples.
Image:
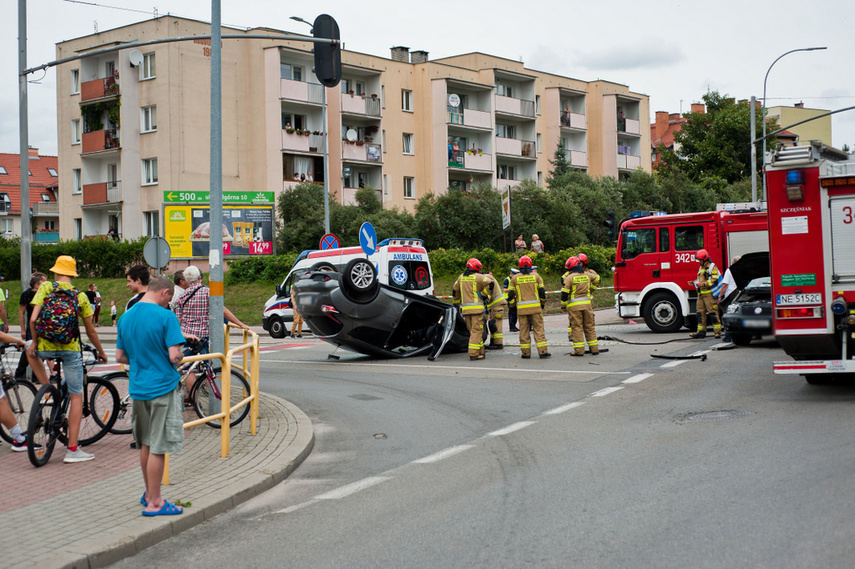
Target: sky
[(673, 51)]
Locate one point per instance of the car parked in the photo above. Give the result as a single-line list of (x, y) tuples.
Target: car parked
[(750, 313)]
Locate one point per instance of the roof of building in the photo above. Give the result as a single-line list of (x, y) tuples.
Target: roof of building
[(44, 177), (666, 137)]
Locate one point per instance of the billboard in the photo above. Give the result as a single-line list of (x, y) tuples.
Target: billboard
[(247, 230)]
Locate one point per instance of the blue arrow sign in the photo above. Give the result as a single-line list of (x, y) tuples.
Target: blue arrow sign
[(368, 238)]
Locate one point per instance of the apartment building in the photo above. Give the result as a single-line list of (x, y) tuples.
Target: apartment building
[(818, 129), (134, 124), (43, 209)]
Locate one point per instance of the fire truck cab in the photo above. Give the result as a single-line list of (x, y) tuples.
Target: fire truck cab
[(655, 260), (811, 197)]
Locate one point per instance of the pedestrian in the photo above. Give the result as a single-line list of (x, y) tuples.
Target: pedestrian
[(519, 244), (138, 277), (150, 341), (725, 293), (496, 304), (512, 303), (536, 244), (526, 287), (113, 314), (464, 295), (181, 285), (297, 322), (706, 304), (7, 417), (58, 338), (576, 301), (5, 326), (25, 311), (93, 299), (97, 316)]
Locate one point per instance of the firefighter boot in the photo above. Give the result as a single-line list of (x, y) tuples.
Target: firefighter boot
[(699, 334)]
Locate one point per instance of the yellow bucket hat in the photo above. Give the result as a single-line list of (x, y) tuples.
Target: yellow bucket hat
[(65, 265)]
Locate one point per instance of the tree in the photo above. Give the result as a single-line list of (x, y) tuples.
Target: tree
[(561, 164), (718, 143), (301, 210)]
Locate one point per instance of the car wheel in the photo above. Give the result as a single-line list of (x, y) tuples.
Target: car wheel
[(359, 281), (662, 313), (322, 267), (277, 327), (740, 339)]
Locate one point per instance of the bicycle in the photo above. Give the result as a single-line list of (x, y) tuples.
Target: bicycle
[(206, 393), (48, 421), (20, 394), (124, 414)]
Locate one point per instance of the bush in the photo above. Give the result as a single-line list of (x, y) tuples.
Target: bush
[(259, 269), (97, 258)]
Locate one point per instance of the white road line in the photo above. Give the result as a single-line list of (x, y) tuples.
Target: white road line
[(606, 391), (437, 366), (564, 408), (349, 489), (443, 454), (511, 428), (290, 509), (675, 363), (637, 378)]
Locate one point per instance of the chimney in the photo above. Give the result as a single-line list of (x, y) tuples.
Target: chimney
[(419, 56), (33, 153), (698, 108), (800, 105), (661, 124), (401, 53)]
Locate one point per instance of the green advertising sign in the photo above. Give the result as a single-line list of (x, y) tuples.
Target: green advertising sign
[(798, 280), (229, 197)]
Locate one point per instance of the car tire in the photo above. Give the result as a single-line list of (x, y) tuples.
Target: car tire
[(359, 281), (662, 313), (740, 339), (276, 327), (322, 267)]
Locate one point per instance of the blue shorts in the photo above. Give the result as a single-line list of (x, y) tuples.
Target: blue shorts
[(72, 367)]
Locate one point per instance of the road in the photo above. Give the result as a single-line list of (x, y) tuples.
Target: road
[(617, 461)]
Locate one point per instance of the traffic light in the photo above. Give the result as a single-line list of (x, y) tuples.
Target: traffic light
[(611, 225), (327, 55)]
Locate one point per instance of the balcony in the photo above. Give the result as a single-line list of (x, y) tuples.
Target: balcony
[(42, 236), (471, 161), (573, 120), (515, 147), (628, 126), (301, 91), (102, 193), (362, 152), (349, 195), (100, 140), (628, 161), (99, 88), (469, 117), (512, 106), (46, 209), (298, 141), (577, 158), (360, 105)]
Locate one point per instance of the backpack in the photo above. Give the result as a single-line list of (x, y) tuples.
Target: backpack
[(57, 321)]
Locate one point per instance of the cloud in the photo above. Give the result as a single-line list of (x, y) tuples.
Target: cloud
[(634, 58)]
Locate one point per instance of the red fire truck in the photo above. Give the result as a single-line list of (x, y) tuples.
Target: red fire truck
[(655, 260), (811, 197)]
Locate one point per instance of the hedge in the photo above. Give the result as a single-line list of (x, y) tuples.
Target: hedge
[(98, 257)]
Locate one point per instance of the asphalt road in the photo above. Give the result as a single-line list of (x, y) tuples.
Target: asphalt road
[(613, 461)]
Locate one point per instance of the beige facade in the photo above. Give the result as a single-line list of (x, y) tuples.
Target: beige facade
[(130, 130), (819, 129)]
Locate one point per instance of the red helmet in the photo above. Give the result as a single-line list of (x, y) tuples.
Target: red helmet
[(583, 258), (473, 264), (702, 255), (571, 262), (525, 261)]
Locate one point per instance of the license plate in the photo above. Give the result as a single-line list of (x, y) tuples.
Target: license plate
[(810, 298), (755, 324)]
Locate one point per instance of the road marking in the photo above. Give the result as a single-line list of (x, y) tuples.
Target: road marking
[(675, 363), (511, 428), (637, 378), (467, 368), (443, 454), (349, 489), (564, 408), (290, 509), (606, 391)]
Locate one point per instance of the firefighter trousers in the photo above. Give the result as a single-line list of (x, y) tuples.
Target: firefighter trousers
[(495, 327), (583, 329), (475, 324), (529, 323), (707, 305)]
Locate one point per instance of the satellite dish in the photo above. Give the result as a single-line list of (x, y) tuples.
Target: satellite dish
[(350, 135), (135, 57)]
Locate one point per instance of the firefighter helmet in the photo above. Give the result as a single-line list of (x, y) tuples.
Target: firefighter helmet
[(702, 255), (473, 264), (583, 258), (525, 261), (571, 262)]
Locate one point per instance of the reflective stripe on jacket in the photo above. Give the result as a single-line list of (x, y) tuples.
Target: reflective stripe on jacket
[(527, 290), (465, 292)]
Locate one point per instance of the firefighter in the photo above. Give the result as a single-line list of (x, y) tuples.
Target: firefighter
[(707, 278), (465, 294), (512, 305), (595, 278), (576, 301), (496, 305), (526, 288)]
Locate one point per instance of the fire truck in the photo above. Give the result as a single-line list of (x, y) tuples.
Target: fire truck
[(655, 259), (811, 197)]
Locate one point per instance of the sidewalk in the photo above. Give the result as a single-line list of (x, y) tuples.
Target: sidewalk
[(92, 510)]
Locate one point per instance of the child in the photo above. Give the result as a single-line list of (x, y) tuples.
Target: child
[(113, 311)]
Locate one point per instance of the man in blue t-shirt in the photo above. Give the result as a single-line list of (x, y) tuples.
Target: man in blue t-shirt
[(150, 340)]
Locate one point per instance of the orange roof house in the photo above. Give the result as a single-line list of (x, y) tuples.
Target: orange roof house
[(44, 187)]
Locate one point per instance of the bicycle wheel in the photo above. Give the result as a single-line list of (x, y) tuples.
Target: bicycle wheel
[(20, 395), (44, 425), (124, 415), (207, 392), (99, 415)]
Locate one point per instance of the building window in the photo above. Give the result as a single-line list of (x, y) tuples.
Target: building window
[(76, 181), (539, 143), (75, 81), (148, 119), (506, 172), (537, 104), (148, 68), (149, 171), (409, 188), (52, 173), (75, 131), (408, 143), (5, 203), (3, 170), (406, 100), (78, 228), (151, 223), (292, 72), (46, 198), (50, 224), (8, 226)]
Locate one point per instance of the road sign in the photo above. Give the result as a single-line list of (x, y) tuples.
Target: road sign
[(329, 241), (157, 252), (368, 238), (229, 197)]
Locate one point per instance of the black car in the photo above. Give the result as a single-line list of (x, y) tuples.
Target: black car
[(750, 313), (352, 309)]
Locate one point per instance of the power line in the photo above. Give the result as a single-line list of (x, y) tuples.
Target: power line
[(113, 7)]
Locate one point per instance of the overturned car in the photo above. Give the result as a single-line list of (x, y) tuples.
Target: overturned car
[(352, 309)]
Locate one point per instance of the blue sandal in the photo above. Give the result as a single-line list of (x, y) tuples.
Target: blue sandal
[(167, 510), (143, 501)]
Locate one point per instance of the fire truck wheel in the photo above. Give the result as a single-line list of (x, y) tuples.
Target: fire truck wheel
[(662, 313)]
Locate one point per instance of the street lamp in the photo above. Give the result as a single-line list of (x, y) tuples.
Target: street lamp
[(763, 118)]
